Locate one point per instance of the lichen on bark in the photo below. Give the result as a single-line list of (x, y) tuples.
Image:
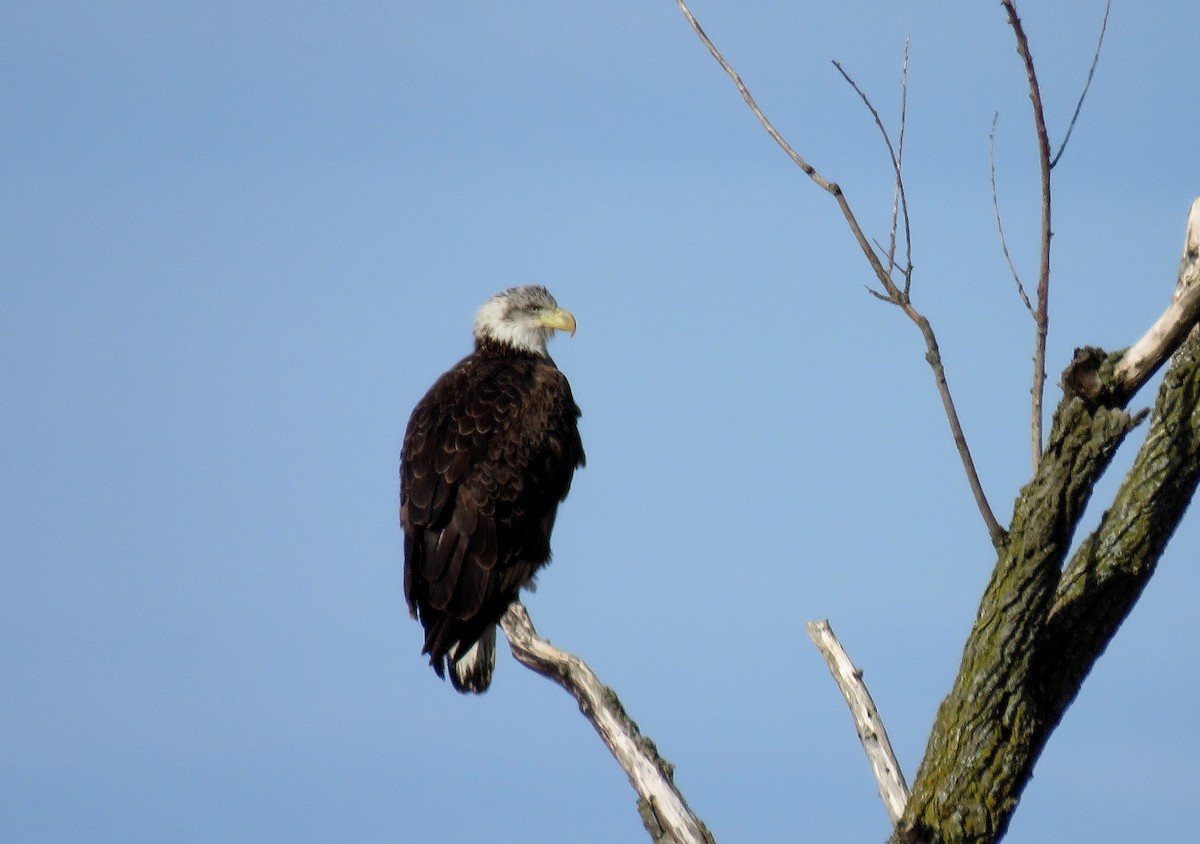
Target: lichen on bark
[(979, 748), (1040, 628)]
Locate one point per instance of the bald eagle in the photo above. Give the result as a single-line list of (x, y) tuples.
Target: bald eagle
[(488, 454)]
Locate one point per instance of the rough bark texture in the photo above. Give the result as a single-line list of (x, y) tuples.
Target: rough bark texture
[(1040, 629), (1106, 575)]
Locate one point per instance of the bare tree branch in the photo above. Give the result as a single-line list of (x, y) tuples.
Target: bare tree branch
[(1086, 86), (900, 202), (1000, 223), (893, 790), (663, 809), (894, 294), (1141, 360), (899, 199), (1042, 315), (810, 171)]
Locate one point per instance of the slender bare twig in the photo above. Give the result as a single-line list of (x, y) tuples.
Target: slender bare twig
[(892, 294), (900, 202), (893, 790), (898, 196), (1042, 314), (830, 187), (1000, 223), (1086, 86), (663, 809)]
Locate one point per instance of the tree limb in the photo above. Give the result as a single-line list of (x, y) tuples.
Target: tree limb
[(893, 293), (1143, 358), (1112, 566), (893, 790), (979, 756), (899, 200), (1114, 563), (664, 811), (1042, 314), (896, 154)]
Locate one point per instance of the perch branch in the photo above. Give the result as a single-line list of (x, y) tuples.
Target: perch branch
[(1042, 315), (893, 294), (893, 790), (664, 811)]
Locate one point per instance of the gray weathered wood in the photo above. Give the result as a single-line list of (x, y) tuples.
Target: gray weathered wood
[(664, 811), (893, 790)]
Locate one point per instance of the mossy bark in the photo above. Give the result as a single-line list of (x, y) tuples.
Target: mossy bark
[(1040, 628)]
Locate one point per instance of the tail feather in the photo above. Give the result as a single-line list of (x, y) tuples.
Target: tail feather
[(471, 671)]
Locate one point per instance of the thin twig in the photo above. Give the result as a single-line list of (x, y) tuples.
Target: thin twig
[(1000, 223), (1042, 315), (893, 790), (894, 294), (830, 187), (900, 203), (664, 811), (1086, 86), (899, 191)]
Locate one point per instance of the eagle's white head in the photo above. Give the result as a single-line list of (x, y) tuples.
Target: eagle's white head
[(523, 317)]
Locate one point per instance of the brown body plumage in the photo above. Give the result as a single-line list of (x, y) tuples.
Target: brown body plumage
[(488, 454)]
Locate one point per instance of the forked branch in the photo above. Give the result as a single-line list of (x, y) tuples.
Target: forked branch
[(1041, 314), (896, 154), (892, 293)]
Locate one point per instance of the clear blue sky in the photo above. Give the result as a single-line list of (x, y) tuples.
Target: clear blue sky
[(238, 242)]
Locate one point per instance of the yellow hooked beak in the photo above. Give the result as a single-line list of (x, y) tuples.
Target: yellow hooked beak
[(559, 318)]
